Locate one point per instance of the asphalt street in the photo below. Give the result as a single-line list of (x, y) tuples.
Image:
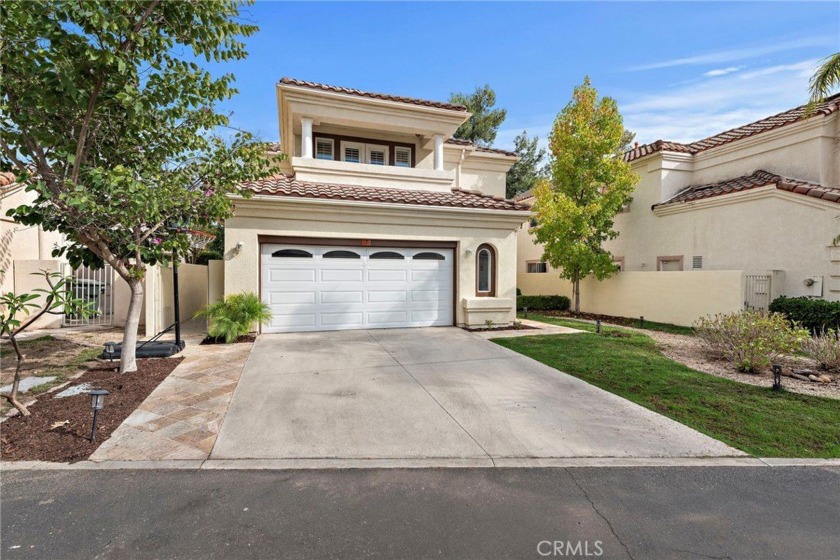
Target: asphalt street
[(650, 512)]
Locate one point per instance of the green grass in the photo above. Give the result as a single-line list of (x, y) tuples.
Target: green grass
[(574, 323), (757, 420)]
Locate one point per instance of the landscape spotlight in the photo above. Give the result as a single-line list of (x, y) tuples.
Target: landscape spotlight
[(97, 402), (110, 348), (777, 377)]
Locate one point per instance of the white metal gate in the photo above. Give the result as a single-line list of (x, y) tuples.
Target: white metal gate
[(95, 286), (757, 294)]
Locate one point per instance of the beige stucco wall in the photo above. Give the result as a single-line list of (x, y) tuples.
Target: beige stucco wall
[(122, 297), (215, 280), (666, 297), (469, 229), (27, 278), (19, 242), (192, 292)]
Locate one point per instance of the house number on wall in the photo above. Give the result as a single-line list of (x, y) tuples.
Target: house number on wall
[(366, 243)]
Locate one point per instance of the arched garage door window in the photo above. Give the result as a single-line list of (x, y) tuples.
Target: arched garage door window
[(485, 271)]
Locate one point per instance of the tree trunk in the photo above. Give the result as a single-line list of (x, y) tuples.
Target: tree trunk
[(12, 396), (128, 361), (576, 292)]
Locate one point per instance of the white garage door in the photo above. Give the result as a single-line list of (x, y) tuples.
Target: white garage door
[(314, 288)]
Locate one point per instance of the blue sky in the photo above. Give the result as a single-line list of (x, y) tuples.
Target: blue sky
[(680, 71)]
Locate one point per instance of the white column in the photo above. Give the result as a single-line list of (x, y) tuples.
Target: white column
[(439, 152), (306, 137)]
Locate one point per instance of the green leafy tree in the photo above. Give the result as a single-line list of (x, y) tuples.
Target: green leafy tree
[(109, 119), (18, 312), (523, 174), (588, 186), (825, 80), (483, 125)]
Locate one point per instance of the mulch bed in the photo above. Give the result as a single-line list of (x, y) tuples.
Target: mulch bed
[(217, 340), (29, 438), (485, 329)]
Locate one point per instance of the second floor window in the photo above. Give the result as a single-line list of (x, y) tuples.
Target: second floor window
[(402, 156), (324, 148), (537, 268)]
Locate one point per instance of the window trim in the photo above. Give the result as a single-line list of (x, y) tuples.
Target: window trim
[(358, 145), (370, 147), (492, 252), (619, 262), (332, 147), (405, 149), (669, 258), (529, 263)]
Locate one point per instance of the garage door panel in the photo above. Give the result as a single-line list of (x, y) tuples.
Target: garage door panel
[(295, 321), (291, 298), (387, 296), (342, 297), (342, 275), (346, 320), (387, 275), (378, 318), (321, 293), (291, 275)]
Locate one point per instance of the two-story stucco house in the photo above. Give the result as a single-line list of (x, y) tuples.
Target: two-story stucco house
[(376, 219), (761, 198)]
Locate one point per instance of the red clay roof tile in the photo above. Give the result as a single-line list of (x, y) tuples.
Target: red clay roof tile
[(772, 122), (759, 178), (373, 95), (283, 185)]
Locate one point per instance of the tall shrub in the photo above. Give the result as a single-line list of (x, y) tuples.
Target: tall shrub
[(750, 340)]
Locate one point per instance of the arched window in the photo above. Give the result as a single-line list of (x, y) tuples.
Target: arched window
[(387, 255), (428, 256), (292, 253), (339, 254), (485, 271)]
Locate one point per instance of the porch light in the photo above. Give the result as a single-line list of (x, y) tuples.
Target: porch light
[(110, 348), (97, 402), (777, 377)]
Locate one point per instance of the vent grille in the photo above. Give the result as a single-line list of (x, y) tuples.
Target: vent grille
[(696, 262)]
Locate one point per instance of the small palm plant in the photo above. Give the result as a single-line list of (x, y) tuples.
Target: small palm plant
[(234, 316)]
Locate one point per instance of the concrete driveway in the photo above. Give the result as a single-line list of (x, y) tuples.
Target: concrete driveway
[(431, 394)]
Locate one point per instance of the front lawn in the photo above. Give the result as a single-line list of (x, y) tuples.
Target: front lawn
[(754, 419)]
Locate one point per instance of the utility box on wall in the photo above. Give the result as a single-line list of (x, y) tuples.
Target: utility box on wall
[(813, 286)]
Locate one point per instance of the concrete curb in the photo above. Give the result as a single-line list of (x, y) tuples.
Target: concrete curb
[(414, 463)]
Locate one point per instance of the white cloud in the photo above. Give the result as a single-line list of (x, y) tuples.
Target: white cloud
[(721, 71), (741, 53), (690, 112)]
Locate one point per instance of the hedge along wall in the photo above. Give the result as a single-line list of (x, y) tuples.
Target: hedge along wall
[(813, 314), (664, 297)]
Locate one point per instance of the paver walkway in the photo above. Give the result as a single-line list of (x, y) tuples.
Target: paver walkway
[(181, 418)]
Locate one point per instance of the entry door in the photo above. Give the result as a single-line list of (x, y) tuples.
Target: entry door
[(321, 288)]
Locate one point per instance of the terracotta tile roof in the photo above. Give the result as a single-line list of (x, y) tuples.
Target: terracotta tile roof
[(283, 185), (830, 105), (460, 142), (757, 179), (524, 195), (372, 95)]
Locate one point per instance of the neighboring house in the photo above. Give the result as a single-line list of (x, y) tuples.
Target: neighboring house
[(376, 219), (761, 198)]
